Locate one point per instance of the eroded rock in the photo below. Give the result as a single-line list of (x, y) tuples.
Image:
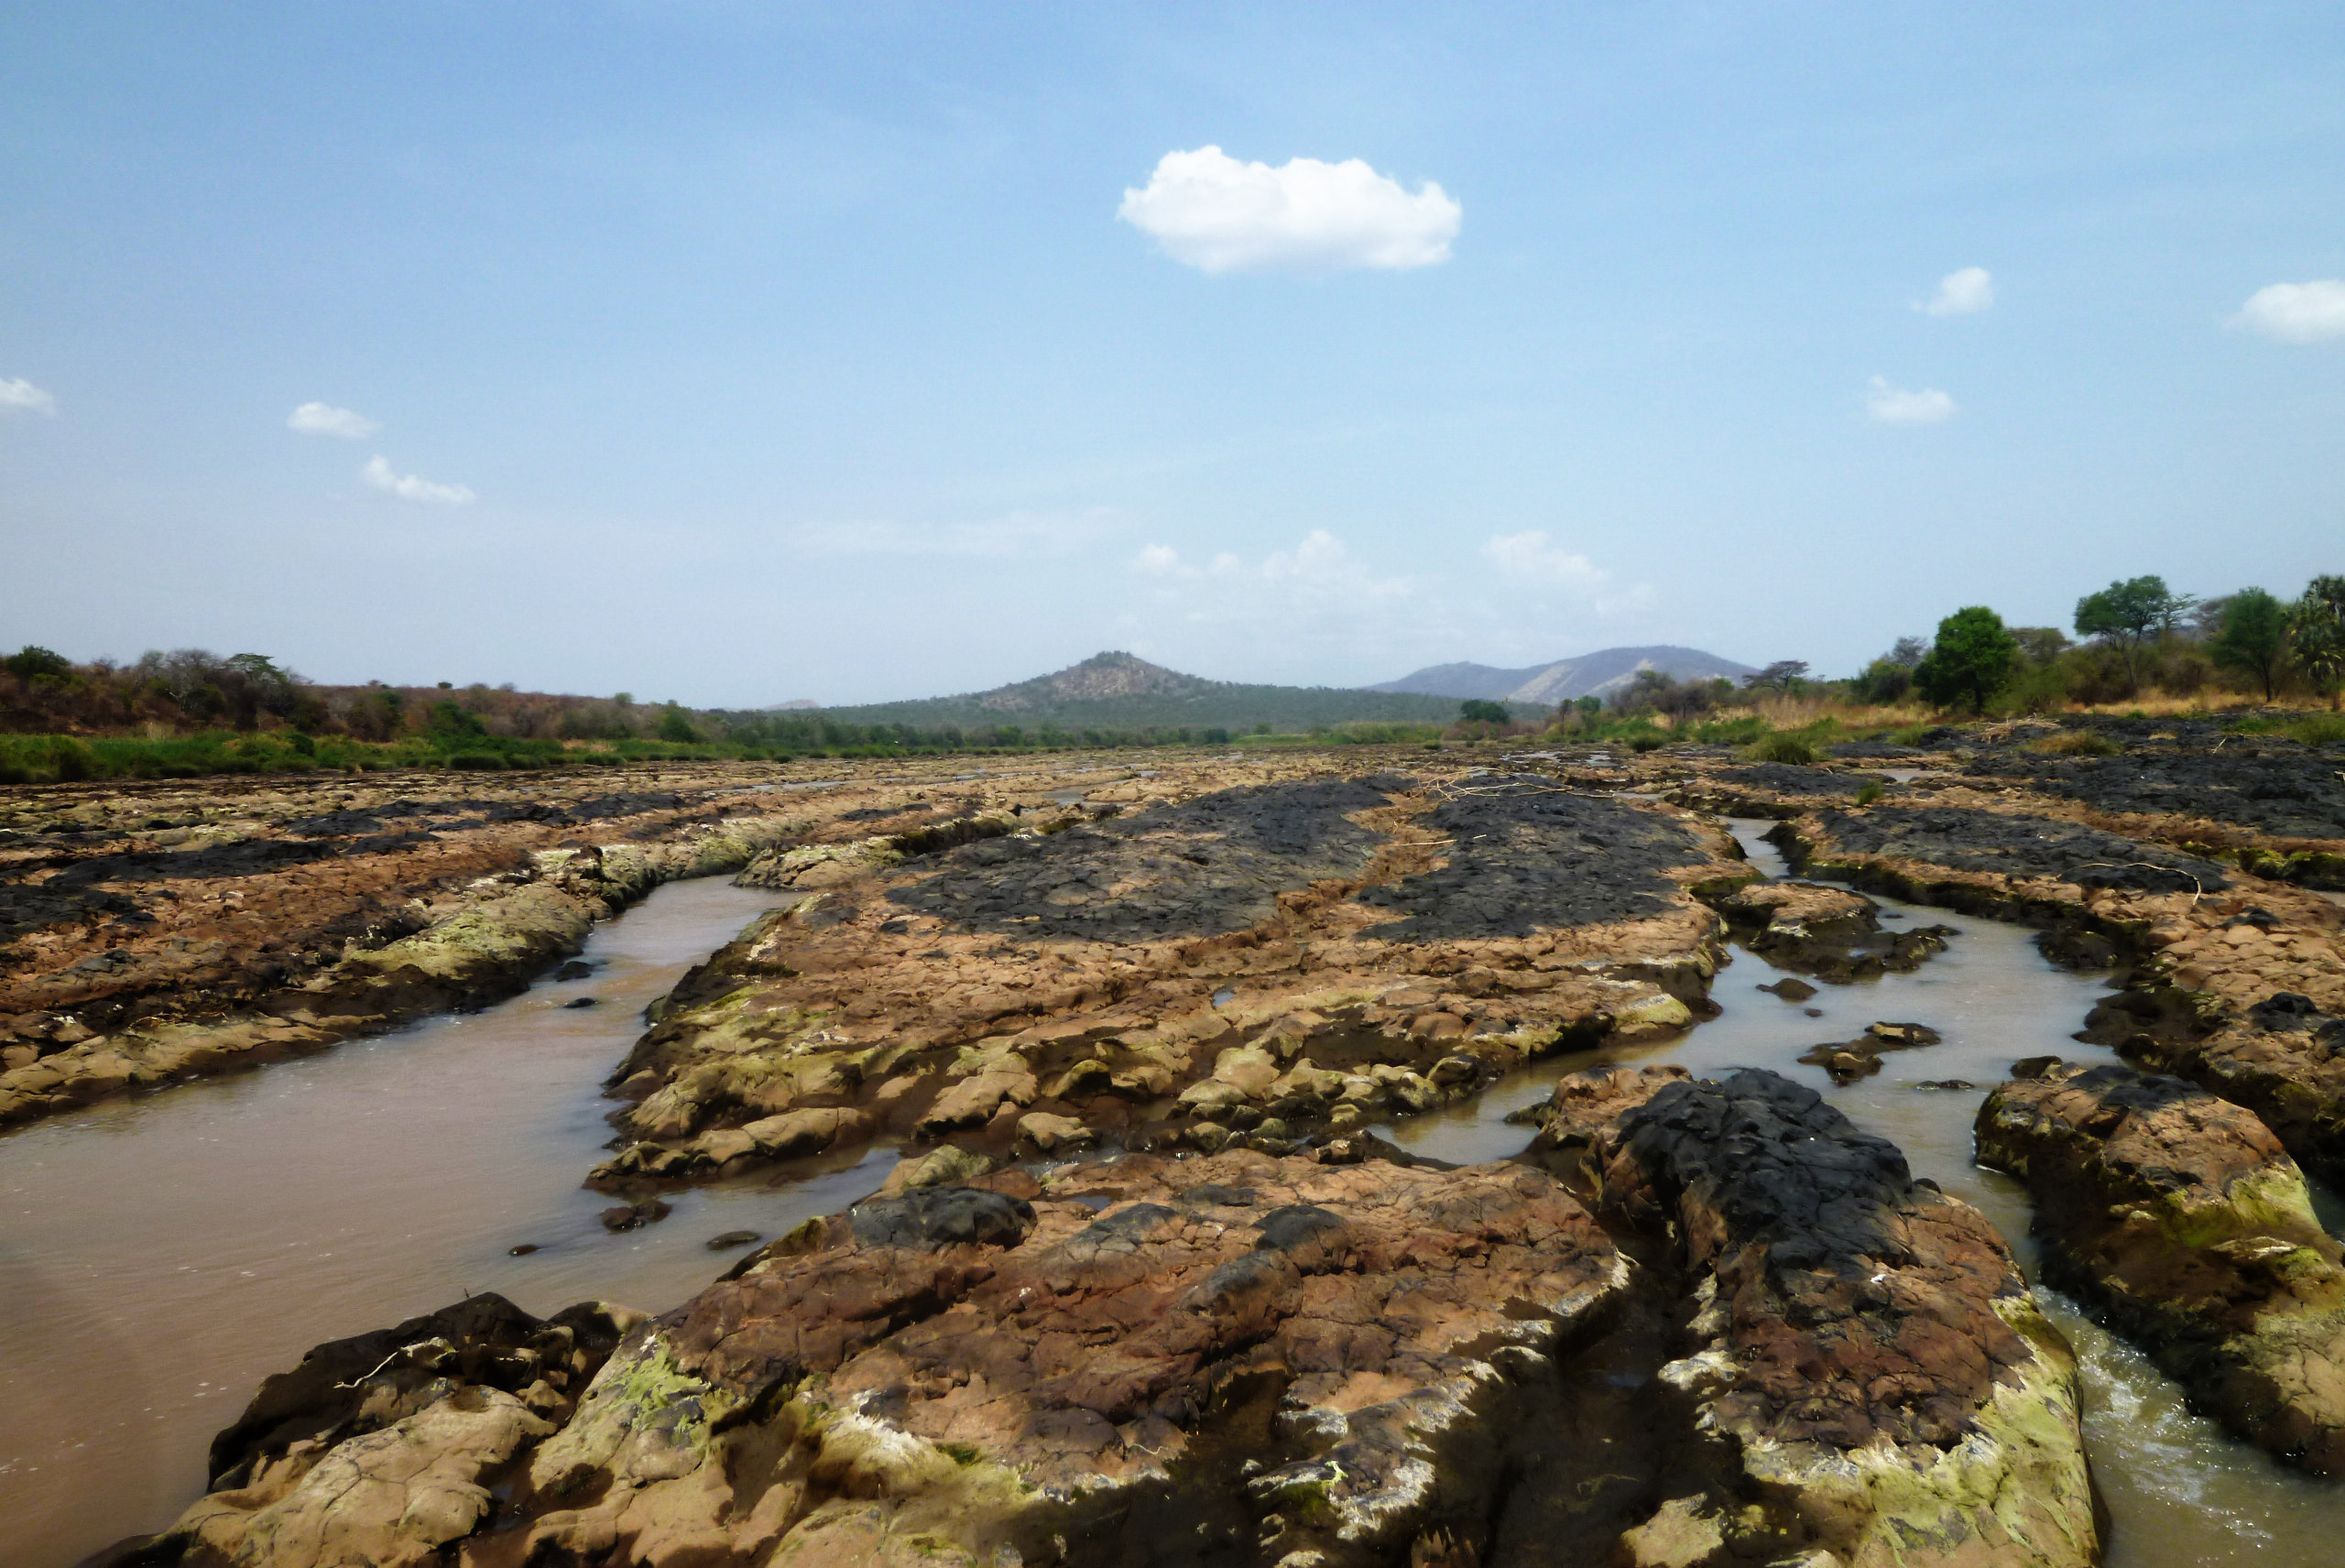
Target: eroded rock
[(2182, 1217), (1871, 1378)]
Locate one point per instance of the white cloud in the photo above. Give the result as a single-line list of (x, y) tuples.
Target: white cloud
[(2297, 313), (325, 419), (1211, 211), (1890, 406), (1019, 533), (408, 487), (1530, 559), (1319, 574), (1962, 293), (21, 395)]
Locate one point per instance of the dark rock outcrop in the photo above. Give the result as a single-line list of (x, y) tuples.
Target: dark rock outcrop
[(1872, 1377), (2181, 1217)]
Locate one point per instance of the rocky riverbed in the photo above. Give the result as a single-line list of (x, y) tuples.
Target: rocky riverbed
[(1146, 1287)]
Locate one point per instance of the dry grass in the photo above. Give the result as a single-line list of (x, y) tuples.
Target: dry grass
[(1800, 713)]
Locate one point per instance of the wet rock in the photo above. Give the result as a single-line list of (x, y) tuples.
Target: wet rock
[(1871, 1378), (1791, 989), (1851, 1060), (583, 1002), (635, 1215), (573, 970), (2183, 1219), (724, 1241), (523, 1249), (1825, 931)]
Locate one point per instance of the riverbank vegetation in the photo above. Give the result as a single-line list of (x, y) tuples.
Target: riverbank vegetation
[(2137, 648)]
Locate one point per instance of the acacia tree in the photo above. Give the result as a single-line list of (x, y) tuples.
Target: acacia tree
[(1970, 661), (1780, 676), (2251, 637), (2316, 634), (2127, 614)]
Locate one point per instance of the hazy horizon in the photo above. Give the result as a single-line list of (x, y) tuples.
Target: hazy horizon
[(737, 354)]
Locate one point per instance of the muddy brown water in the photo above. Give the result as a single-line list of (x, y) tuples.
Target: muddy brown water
[(2181, 1493), (159, 1256)]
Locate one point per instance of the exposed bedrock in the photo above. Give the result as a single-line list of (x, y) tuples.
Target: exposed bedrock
[(237, 950), (1869, 1377), (1829, 932), (2181, 1217), (382, 1448), (1241, 1359), (2232, 982), (1221, 969)]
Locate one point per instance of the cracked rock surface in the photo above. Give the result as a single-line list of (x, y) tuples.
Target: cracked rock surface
[(2181, 1217)]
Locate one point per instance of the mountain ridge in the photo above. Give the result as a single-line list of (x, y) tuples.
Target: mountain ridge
[(1117, 690), (1592, 674)]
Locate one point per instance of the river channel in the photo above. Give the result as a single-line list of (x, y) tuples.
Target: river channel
[(2181, 1493), (161, 1254)]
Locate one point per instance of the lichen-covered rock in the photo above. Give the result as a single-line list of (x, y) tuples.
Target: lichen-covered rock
[(1829, 932), (1183, 975), (381, 1449), (1871, 1380), (2182, 1217), (1268, 1356)]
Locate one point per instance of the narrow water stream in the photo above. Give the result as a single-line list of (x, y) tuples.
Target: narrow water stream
[(159, 1256), (2181, 1493)]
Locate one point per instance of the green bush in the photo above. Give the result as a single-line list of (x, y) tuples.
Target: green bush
[(1782, 746), (1868, 793)]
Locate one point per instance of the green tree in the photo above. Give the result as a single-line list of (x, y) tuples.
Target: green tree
[(2128, 614), (1481, 710), (32, 660), (2316, 634), (448, 723), (2253, 637), (1780, 676), (1970, 661), (675, 726)]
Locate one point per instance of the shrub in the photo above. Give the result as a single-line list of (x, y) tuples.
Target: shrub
[(2077, 743), (1868, 793), (1782, 747)]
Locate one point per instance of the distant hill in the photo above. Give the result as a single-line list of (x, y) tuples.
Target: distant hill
[(1594, 674), (1121, 691)]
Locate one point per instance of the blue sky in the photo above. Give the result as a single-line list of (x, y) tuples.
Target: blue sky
[(739, 352)]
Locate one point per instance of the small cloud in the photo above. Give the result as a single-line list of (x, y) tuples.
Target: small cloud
[(1531, 561), (408, 487), (1319, 572), (1890, 405), (1019, 533), (1208, 211), (22, 396), (325, 419), (1962, 293), (2293, 313)]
